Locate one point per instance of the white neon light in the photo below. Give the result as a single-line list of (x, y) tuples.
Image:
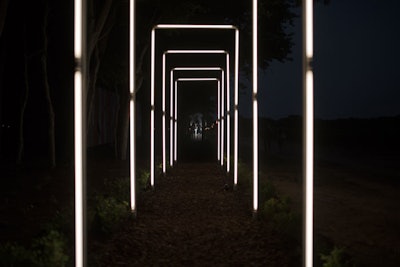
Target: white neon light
[(219, 125), (79, 132), (201, 68), (171, 121), (196, 79), (176, 99), (79, 175), (183, 26), (228, 120), (176, 122), (236, 112), (132, 105), (153, 52), (309, 29), (164, 157), (193, 26), (255, 109), (172, 75), (308, 104), (222, 123), (196, 68)]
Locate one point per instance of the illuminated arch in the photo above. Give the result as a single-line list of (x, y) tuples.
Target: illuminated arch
[(152, 104), (80, 121)]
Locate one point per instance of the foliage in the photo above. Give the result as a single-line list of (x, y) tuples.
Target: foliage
[(118, 188), (14, 255), (143, 179), (46, 251), (336, 258), (110, 213), (278, 212), (50, 250)]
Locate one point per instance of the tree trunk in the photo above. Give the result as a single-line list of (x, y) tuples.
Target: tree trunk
[(122, 134), (20, 150), (50, 109), (96, 27)]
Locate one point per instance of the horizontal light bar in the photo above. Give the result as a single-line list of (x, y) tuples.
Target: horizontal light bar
[(194, 26), (197, 68), (195, 52), (196, 79)]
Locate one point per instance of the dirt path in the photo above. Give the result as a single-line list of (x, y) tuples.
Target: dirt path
[(190, 219)]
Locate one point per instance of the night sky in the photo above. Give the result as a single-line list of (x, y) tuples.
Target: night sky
[(356, 64)]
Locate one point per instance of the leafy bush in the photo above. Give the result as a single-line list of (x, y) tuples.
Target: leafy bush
[(14, 255), (46, 251), (336, 258), (50, 250), (143, 179), (110, 213), (118, 188), (277, 211)]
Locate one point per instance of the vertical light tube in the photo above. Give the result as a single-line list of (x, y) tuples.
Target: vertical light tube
[(132, 105), (219, 124), (164, 155), (79, 131), (308, 134), (228, 120), (153, 52), (176, 123), (171, 119), (222, 122), (255, 108), (236, 115)]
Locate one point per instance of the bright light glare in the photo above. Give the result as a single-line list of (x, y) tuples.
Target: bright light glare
[(132, 105), (79, 174), (219, 124), (309, 186), (255, 109), (164, 163), (193, 26), (78, 29), (171, 120), (176, 99), (308, 104), (309, 29), (79, 86), (176, 122), (153, 51), (197, 79), (212, 51), (236, 118), (222, 123), (228, 120)]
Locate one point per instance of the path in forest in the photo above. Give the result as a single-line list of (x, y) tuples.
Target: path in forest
[(191, 219)]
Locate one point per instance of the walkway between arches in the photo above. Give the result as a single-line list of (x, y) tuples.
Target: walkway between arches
[(192, 219)]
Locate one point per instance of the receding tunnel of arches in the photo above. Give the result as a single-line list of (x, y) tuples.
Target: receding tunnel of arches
[(197, 118)]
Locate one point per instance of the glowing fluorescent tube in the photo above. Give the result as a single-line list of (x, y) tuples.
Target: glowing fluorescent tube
[(153, 52), (176, 124), (255, 108), (308, 133), (79, 131), (164, 158), (236, 112), (132, 106), (171, 121), (228, 120), (193, 26)]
